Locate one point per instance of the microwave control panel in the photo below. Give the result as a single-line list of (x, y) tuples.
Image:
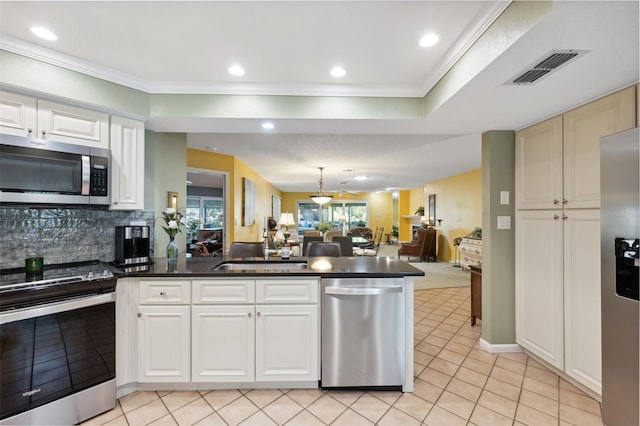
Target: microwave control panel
[(99, 176)]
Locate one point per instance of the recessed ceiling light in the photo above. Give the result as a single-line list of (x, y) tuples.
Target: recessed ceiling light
[(429, 40), (338, 72), (267, 125), (44, 33), (361, 178), (236, 70)]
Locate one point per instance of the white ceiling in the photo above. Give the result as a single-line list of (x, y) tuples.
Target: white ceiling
[(287, 48)]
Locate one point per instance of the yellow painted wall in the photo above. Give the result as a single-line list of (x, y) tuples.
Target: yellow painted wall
[(380, 206), (237, 170), (459, 205)]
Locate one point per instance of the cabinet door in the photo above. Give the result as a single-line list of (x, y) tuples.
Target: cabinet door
[(582, 324), (164, 343), (583, 128), (17, 114), (223, 343), (64, 123), (539, 166), (539, 263), (127, 164), (287, 342)]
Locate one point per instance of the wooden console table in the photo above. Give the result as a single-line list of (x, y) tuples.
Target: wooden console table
[(476, 293)]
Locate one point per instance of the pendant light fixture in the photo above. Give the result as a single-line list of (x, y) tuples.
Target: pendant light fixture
[(321, 197)]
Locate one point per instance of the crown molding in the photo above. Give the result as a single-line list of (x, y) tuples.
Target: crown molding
[(29, 50), (485, 18)]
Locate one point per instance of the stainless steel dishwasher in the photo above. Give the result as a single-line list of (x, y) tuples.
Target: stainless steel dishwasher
[(363, 332)]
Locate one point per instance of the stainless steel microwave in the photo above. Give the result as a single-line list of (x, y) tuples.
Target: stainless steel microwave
[(39, 171)]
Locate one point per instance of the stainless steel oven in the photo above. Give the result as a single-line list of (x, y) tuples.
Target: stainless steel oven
[(57, 345)]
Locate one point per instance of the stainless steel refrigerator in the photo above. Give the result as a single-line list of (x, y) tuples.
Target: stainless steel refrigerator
[(620, 229)]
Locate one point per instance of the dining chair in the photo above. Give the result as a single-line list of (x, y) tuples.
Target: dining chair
[(246, 249), (346, 244), (330, 235), (305, 242), (371, 248), (323, 248)]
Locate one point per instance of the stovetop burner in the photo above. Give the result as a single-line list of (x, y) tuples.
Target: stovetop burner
[(57, 282)]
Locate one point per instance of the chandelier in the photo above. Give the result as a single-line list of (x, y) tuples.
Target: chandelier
[(321, 197)]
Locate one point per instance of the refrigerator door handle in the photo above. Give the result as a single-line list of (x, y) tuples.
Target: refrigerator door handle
[(362, 291)]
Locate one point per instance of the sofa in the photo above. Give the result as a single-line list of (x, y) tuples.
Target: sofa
[(423, 245), (361, 231)]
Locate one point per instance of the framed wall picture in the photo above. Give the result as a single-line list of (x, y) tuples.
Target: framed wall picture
[(172, 200), (432, 209), (248, 202)]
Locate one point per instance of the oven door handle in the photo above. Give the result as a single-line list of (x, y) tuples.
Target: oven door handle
[(57, 307)]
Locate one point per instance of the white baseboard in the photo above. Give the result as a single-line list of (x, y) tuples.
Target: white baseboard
[(501, 348)]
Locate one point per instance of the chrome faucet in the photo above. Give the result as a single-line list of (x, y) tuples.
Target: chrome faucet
[(265, 235)]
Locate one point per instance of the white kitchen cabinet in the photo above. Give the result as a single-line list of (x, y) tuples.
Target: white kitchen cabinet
[(18, 114), (558, 290), (539, 165), (65, 123), (127, 164), (223, 343), (164, 331), (237, 340), (539, 291), (581, 279), (558, 160), (287, 342)]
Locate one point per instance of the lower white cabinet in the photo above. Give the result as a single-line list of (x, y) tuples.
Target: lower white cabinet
[(286, 342), (164, 351), (223, 343), (558, 290), (228, 330), (164, 330)]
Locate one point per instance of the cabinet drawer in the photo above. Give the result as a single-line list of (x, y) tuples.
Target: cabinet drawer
[(224, 291), (286, 291), (165, 292)]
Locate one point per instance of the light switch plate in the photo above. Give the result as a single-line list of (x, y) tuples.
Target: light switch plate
[(504, 222), (504, 198)]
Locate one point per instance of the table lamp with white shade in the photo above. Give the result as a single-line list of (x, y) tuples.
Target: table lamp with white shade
[(286, 220)]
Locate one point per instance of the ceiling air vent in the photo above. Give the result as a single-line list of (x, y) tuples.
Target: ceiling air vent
[(544, 66)]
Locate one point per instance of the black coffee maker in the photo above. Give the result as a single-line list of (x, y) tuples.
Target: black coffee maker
[(132, 245)]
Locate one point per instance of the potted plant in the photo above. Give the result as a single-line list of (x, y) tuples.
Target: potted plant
[(324, 227), (420, 211)]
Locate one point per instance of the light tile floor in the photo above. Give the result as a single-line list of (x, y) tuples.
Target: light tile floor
[(456, 383)]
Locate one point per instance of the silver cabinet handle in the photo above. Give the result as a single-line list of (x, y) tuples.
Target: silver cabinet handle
[(30, 130), (139, 315), (362, 291), (564, 201), (555, 201), (44, 134), (249, 314), (162, 293), (556, 217), (258, 313), (564, 217)]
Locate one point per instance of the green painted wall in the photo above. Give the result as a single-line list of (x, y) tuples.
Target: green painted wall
[(498, 245), (166, 171)]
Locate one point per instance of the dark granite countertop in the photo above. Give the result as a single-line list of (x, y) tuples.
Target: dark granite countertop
[(328, 267)]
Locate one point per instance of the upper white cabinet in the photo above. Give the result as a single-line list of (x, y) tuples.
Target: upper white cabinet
[(64, 123), (583, 128), (539, 166), (127, 164), (18, 114), (558, 160)]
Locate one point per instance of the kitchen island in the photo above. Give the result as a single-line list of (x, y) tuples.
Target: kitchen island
[(215, 323)]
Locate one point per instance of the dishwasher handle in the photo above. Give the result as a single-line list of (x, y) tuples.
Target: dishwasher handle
[(362, 291)]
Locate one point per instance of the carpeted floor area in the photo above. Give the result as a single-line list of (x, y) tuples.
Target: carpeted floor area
[(437, 274)]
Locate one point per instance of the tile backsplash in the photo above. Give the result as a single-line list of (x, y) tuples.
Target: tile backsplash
[(62, 234)]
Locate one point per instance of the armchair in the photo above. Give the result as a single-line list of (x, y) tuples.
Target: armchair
[(422, 246)]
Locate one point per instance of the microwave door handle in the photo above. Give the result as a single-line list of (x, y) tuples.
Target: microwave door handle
[(86, 174)]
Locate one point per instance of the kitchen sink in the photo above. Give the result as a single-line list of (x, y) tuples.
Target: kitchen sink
[(261, 266)]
